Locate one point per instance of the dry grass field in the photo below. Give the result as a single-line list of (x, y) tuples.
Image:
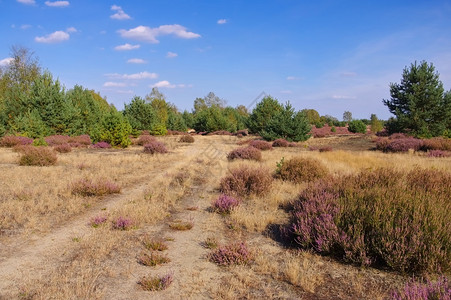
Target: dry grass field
[(56, 244)]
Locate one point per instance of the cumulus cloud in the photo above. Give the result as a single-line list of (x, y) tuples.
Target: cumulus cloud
[(55, 37), (136, 61), (114, 84), (147, 34), (141, 75), (171, 54), (167, 84), (71, 30), (57, 3), (222, 21), (126, 47), (120, 14), (29, 2), (6, 61)]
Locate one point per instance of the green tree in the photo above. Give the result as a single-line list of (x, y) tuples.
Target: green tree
[(357, 126), (116, 129), (347, 116), (376, 124), (264, 111), (419, 102), (287, 124), (140, 114), (312, 116)]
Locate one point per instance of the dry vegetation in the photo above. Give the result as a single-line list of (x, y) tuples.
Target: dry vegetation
[(61, 244)]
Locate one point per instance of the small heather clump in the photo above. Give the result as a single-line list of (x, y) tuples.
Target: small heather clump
[(156, 283), (145, 139), (245, 153), (186, 139), (62, 148), (89, 188), (122, 223), (232, 254), (12, 140), (300, 169), (152, 259), (101, 145), (98, 220), (439, 290), (182, 226), (155, 147), (260, 145), (37, 156), (245, 181), (225, 204), (154, 244), (280, 143)]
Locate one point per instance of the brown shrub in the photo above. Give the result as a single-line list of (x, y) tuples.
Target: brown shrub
[(280, 143), (245, 181), (245, 153), (145, 139), (436, 144), (300, 169), (37, 156), (261, 145), (12, 140), (155, 147), (186, 139), (62, 148)]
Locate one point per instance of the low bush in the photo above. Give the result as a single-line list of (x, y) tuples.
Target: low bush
[(225, 204), (101, 145), (245, 153), (245, 181), (242, 132), (280, 143), (220, 132), (186, 139), (154, 244), (325, 149), (261, 145), (62, 148), (398, 144), (145, 139), (152, 259), (413, 290), (54, 140), (356, 126), (84, 140), (12, 140), (155, 147), (89, 188), (98, 220), (439, 153), (37, 156), (231, 254), (39, 142), (156, 283), (379, 217), (300, 169), (436, 144), (122, 223)]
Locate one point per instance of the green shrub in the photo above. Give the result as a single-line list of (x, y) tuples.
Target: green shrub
[(39, 142), (357, 126)]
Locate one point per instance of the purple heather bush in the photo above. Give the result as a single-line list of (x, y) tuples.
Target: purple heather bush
[(62, 148), (249, 152), (232, 254), (122, 223), (54, 140), (84, 140), (89, 188), (383, 217), (260, 145), (156, 283), (101, 145), (439, 153), (225, 204), (12, 140), (98, 220), (155, 147), (439, 290), (145, 139), (245, 181)]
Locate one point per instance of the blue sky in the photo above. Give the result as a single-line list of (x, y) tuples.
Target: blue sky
[(331, 56)]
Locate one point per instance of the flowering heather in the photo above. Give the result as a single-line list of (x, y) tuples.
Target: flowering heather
[(398, 144), (155, 147), (81, 139), (156, 283), (326, 130), (12, 140), (261, 145), (186, 139), (53, 140), (231, 254), (245, 181), (98, 220), (245, 153), (62, 148), (439, 153), (88, 188), (77, 145), (299, 169), (101, 145), (225, 204), (280, 143), (145, 139), (122, 223), (37, 156), (436, 144), (439, 290)]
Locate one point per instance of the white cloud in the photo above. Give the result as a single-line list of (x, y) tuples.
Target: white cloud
[(294, 78), (171, 54), (167, 84), (136, 61), (120, 14), (147, 34), (29, 2), (56, 37), (6, 61), (71, 30), (342, 97), (57, 3), (114, 84), (141, 75), (25, 26), (222, 21), (126, 47)]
